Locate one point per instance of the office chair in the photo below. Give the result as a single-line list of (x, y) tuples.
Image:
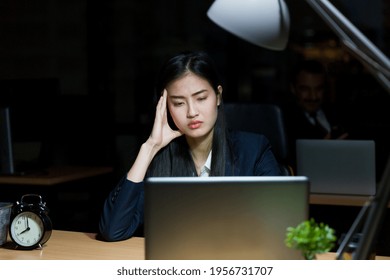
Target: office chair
[(266, 119)]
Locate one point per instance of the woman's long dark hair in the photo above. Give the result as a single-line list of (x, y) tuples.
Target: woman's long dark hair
[(175, 158)]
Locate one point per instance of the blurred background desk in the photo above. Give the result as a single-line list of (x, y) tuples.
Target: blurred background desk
[(55, 175), (341, 200), (74, 194)]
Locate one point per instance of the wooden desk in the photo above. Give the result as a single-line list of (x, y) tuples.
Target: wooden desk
[(343, 200), (69, 245), (340, 200), (332, 256), (55, 175)]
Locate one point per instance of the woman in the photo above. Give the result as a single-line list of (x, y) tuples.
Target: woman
[(188, 139)]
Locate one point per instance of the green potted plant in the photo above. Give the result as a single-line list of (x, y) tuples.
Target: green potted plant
[(311, 238)]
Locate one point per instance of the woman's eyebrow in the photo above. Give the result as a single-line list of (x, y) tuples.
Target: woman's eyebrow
[(199, 92), (193, 94)]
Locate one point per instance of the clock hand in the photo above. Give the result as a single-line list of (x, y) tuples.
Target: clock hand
[(27, 229)]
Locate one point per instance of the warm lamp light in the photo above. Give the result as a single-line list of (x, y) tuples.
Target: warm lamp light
[(264, 23)]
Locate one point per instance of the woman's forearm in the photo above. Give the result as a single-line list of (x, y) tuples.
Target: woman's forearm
[(145, 156)]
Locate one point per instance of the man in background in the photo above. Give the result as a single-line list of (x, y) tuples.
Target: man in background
[(306, 115)]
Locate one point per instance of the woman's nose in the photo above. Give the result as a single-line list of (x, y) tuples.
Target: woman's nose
[(192, 111)]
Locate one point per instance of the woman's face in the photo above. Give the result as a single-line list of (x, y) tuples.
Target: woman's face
[(193, 105)]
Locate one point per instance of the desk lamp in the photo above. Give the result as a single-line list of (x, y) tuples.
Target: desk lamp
[(265, 23)]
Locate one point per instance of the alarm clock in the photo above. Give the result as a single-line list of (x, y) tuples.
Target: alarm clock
[(30, 225)]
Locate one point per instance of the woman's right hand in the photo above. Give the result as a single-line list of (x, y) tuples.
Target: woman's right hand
[(162, 134)]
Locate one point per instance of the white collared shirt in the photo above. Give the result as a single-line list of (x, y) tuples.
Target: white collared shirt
[(205, 170), (321, 118)]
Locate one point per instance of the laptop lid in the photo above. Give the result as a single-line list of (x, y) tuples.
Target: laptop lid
[(223, 217), (338, 166)]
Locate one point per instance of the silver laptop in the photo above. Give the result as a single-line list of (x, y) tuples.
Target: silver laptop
[(338, 166), (219, 218)]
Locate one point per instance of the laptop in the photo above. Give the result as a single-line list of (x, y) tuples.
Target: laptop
[(216, 218), (344, 167)]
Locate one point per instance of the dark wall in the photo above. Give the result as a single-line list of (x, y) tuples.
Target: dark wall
[(105, 56)]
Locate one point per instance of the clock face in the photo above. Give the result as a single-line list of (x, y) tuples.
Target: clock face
[(27, 229)]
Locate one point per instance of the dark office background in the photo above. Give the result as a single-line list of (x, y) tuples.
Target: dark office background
[(81, 72), (84, 70)]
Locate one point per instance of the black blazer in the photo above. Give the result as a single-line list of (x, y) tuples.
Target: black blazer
[(123, 211), (299, 127)]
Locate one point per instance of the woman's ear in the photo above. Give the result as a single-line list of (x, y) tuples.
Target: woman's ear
[(219, 95)]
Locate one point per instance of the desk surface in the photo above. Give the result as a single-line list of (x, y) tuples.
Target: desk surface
[(345, 200), (342, 200), (68, 245), (55, 175)]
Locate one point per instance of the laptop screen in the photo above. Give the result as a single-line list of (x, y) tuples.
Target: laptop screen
[(223, 217), (338, 166)]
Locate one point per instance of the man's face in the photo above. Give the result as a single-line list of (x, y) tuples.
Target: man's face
[(309, 90)]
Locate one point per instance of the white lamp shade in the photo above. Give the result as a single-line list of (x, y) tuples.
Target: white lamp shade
[(264, 23)]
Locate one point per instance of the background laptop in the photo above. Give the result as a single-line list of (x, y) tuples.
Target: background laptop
[(338, 166), (223, 217)]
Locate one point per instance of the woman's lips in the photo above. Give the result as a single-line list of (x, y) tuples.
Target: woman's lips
[(194, 124)]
